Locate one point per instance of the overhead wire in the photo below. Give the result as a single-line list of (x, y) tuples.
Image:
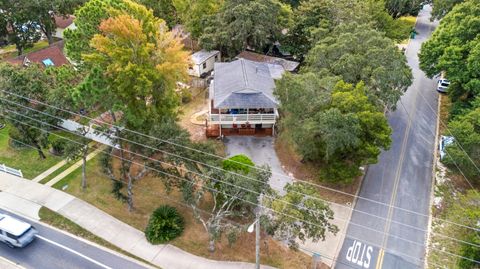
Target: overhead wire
[(237, 174), (259, 205)]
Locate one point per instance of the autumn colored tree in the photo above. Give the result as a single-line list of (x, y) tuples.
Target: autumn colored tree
[(137, 63)]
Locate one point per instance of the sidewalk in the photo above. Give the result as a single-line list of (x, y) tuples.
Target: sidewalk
[(73, 167), (26, 197)]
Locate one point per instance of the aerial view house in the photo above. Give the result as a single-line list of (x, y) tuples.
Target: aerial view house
[(202, 62), (241, 99), (62, 23), (50, 56)]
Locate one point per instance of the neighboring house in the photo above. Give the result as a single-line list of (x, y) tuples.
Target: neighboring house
[(241, 99), (288, 65), (63, 23), (202, 62), (50, 56)]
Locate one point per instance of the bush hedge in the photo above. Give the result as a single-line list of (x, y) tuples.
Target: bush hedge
[(164, 225)]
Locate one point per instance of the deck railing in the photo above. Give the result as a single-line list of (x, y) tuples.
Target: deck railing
[(242, 118)]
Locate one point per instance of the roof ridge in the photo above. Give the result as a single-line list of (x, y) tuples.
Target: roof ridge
[(244, 73)]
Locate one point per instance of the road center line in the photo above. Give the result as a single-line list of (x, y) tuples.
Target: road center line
[(74, 252)]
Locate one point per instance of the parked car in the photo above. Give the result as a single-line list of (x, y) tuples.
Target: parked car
[(442, 85), (14, 232)]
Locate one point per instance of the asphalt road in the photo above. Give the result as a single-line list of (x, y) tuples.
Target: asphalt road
[(56, 250), (402, 179)]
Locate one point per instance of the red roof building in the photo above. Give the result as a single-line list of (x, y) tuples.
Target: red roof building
[(63, 22), (51, 56)]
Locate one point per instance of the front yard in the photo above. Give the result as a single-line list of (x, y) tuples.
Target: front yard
[(149, 193), (305, 171), (25, 159)]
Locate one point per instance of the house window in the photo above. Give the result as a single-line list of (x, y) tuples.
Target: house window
[(216, 58), (204, 65)]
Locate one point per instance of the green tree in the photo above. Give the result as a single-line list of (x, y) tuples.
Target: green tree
[(313, 19), (298, 215), (163, 9), (454, 48), (340, 128), (246, 23), (359, 53), (44, 11), (466, 131), (135, 65), (442, 7), (87, 20), (17, 23), (397, 8), (143, 61), (232, 196), (30, 82), (194, 13)]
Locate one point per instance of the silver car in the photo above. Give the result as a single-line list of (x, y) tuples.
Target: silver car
[(442, 85), (14, 232)]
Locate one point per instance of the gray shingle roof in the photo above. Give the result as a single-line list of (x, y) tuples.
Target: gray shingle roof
[(243, 84), (201, 56)]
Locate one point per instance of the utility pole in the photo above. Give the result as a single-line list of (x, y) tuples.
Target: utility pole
[(257, 241)]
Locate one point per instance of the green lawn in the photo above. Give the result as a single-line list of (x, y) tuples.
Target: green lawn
[(25, 159), (11, 50)]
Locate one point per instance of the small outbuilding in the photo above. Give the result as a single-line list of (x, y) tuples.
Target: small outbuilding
[(202, 62)]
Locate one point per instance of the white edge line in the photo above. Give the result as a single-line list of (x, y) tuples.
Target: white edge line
[(74, 252)]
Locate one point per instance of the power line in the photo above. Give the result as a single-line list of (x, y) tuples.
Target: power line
[(156, 160), (458, 143), (241, 175), (255, 204)]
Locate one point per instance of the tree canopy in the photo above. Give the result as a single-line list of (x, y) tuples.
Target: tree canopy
[(28, 126), (442, 7), (341, 128), (455, 49), (142, 63), (298, 215), (194, 13), (242, 24), (358, 53)]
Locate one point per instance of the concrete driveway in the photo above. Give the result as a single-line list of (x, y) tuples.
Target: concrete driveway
[(261, 150)]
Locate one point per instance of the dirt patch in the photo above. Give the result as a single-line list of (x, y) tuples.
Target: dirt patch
[(293, 166), (198, 103)]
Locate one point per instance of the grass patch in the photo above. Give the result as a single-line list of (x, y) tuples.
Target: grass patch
[(149, 193), (56, 173), (54, 219), (25, 159), (11, 50)]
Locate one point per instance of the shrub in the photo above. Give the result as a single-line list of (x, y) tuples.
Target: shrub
[(58, 147), (164, 225), (238, 163)]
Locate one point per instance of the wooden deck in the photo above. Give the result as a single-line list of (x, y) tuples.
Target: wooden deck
[(214, 131)]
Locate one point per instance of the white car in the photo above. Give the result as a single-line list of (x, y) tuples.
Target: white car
[(14, 232), (442, 85)]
